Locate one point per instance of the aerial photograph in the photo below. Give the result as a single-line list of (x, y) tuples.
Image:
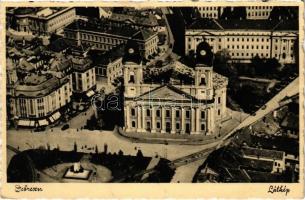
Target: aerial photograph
[(206, 94)]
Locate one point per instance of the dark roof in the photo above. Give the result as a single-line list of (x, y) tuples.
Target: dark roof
[(143, 34), (288, 145), (101, 26), (60, 44), (257, 165), (263, 153), (149, 20), (291, 121), (104, 58), (215, 24), (205, 23)]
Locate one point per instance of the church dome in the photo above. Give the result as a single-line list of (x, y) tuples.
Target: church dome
[(204, 54)]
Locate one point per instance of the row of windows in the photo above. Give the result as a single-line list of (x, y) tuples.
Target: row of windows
[(168, 126), (103, 39), (259, 14), (167, 113), (236, 39), (242, 39), (62, 18)]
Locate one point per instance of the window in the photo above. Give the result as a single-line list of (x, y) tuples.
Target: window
[(148, 113), (177, 113), (133, 124), (133, 112), (203, 127), (177, 126), (167, 113), (148, 125), (202, 114), (202, 80), (218, 111), (158, 113), (158, 125), (131, 77), (187, 114)]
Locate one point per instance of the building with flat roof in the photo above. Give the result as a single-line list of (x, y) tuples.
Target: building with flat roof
[(245, 39), (103, 36), (161, 103), (39, 20)]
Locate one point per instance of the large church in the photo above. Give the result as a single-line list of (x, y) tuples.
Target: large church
[(181, 103)]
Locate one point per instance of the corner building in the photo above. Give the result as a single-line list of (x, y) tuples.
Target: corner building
[(193, 107)]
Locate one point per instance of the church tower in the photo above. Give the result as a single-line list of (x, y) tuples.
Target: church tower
[(204, 72), (132, 69)]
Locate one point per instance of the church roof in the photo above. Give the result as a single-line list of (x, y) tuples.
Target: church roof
[(168, 92)]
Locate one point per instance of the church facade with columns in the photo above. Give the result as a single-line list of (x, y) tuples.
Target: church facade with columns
[(179, 104)]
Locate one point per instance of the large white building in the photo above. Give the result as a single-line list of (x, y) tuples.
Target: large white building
[(245, 39), (170, 107), (40, 20)]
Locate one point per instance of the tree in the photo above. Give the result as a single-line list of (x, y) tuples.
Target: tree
[(221, 64)]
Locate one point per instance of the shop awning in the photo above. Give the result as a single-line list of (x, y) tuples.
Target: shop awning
[(43, 122), (90, 93), (51, 119), (32, 123), (24, 122), (56, 116)]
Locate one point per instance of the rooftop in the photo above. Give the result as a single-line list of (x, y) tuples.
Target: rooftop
[(263, 153), (104, 58), (37, 12), (246, 24), (81, 64), (149, 20), (37, 85), (102, 27)]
